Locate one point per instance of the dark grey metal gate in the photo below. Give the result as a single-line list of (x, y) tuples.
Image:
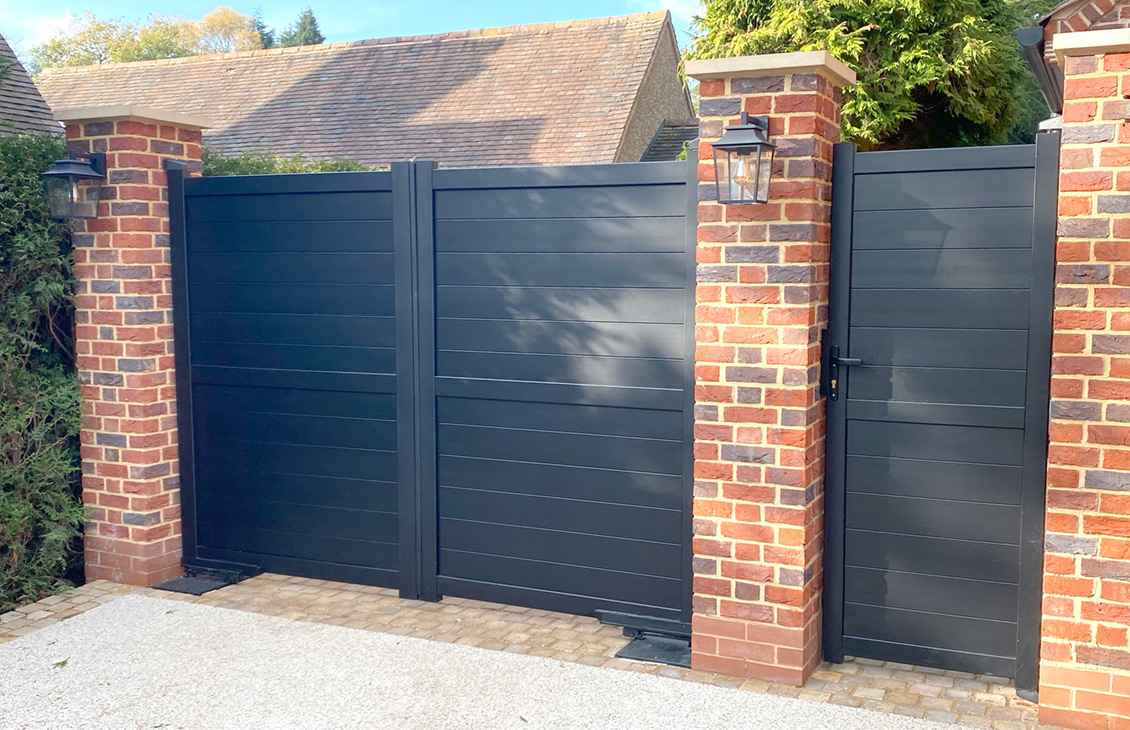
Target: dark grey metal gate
[(455, 382), (938, 373)]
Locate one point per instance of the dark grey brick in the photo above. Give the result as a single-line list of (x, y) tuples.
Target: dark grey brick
[(739, 374), (750, 396), (796, 147), (118, 177), (109, 379), (1110, 344), (1069, 410), (793, 232), (131, 208), (1117, 569), (1084, 227), (725, 107), (146, 519), (144, 318), (111, 439), (1088, 134), (757, 85), (105, 287), (133, 272), (1073, 545), (705, 413), (1082, 274), (1114, 203), (1113, 481), (149, 472), (97, 129), (801, 274), (134, 365), (712, 273), (133, 302), (748, 454), (1118, 412), (753, 254)]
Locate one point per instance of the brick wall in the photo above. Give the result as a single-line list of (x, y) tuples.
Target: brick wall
[(1085, 672), (759, 423), (1093, 15), (124, 341)]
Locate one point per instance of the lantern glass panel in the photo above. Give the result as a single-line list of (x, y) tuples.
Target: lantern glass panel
[(764, 172), (69, 198)]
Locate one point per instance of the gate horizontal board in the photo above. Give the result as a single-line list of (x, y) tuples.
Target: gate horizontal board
[(278, 356), (590, 370), (279, 298), (940, 290), (294, 329), (631, 201), (292, 237), (931, 593), (556, 417), (954, 228), (647, 270), (577, 235), (289, 207), (937, 348), (1002, 268), (554, 480), (293, 268), (341, 492), (615, 339), (584, 304)]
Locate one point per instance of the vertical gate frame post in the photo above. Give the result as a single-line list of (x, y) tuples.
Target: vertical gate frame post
[(843, 175), (689, 385), (414, 248)]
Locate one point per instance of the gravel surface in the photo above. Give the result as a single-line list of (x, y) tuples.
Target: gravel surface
[(141, 662)]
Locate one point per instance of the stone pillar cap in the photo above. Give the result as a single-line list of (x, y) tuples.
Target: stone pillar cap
[(1090, 43), (130, 111), (772, 64)]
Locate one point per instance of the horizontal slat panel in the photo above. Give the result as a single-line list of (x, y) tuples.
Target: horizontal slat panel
[(602, 485), (566, 515), (568, 393), (551, 600), (930, 657), (954, 633), (938, 594), (292, 298), (568, 338), (593, 551), (644, 201), (321, 570), (934, 518), (970, 309), (949, 158), (290, 207), (295, 236), (561, 578), (294, 329), (302, 402), (935, 556), (663, 270), (942, 479), (940, 348), (301, 520), (554, 176), (938, 385), (578, 304), (943, 414), (605, 452), (945, 229), (566, 418), (561, 236), (218, 535), (350, 433), (354, 494), (297, 459), (294, 379), (942, 269), (581, 369), (320, 182), (944, 443), (991, 188), (292, 268), (295, 357)]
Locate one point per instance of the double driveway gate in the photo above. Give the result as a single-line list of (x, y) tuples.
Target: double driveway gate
[(453, 382)]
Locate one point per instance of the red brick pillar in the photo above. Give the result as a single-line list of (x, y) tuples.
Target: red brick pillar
[(124, 342), (1085, 657), (759, 423)]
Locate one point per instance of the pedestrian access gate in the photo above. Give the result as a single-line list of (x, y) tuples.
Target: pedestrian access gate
[(937, 378), (465, 382)]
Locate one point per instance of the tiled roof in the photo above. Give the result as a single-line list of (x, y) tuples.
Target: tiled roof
[(670, 140), (555, 93), (22, 109)]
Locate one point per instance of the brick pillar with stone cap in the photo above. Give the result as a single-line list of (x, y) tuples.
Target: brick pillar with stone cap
[(1085, 653), (124, 342), (759, 421)]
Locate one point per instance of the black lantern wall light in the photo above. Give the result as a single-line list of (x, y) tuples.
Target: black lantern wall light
[(743, 161), (71, 192)]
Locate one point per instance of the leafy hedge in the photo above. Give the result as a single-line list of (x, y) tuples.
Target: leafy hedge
[(40, 404), (268, 163)]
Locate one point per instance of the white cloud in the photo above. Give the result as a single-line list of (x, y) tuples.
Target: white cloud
[(23, 29)]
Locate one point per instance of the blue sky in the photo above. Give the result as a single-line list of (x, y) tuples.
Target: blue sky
[(26, 23)]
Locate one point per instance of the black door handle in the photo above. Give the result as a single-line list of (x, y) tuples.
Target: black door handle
[(846, 361)]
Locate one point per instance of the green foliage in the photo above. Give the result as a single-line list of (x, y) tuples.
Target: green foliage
[(89, 40), (40, 513), (268, 163), (266, 35), (932, 73), (304, 32)]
